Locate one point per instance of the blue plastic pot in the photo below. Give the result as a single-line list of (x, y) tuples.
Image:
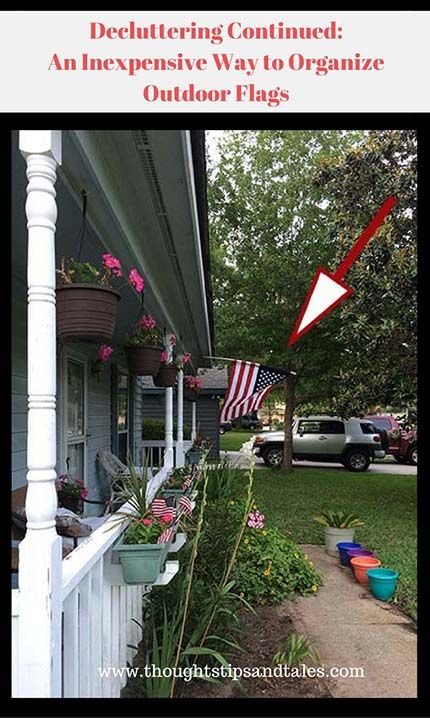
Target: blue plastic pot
[(382, 582), (353, 552), (343, 548)]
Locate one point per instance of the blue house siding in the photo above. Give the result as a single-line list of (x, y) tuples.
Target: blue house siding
[(98, 404), (207, 415)]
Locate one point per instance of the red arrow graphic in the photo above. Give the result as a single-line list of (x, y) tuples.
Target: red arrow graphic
[(328, 290)]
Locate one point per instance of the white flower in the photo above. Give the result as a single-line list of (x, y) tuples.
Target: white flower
[(247, 452)]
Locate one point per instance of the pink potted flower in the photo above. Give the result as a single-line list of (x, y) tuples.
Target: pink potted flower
[(192, 386), (144, 347), (168, 371)]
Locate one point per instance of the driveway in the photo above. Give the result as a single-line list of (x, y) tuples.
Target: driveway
[(385, 466)]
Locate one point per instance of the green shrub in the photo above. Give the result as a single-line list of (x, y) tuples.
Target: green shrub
[(154, 430), (270, 567)]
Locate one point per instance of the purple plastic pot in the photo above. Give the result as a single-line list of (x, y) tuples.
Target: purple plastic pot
[(354, 552)]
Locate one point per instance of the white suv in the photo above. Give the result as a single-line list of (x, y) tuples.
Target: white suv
[(351, 442)]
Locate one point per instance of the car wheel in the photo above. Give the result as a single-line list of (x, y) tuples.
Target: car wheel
[(413, 456), (222, 431), (273, 457), (357, 460)]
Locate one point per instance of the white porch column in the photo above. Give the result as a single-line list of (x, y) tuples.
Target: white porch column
[(169, 456), (40, 551), (180, 457), (193, 421)]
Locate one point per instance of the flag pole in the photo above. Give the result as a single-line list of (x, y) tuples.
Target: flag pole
[(230, 359)]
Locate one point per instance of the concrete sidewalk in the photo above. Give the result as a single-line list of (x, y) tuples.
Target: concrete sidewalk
[(348, 627)]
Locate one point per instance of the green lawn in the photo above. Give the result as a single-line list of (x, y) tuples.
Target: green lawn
[(386, 502), (233, 440)]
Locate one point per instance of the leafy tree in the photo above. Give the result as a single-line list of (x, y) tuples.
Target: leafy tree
[(378, 325), (268, 233), (283, 203)]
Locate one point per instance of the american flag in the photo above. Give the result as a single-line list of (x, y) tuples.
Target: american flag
[(166, 536), (160, 508), (186, 505), (248, 386)]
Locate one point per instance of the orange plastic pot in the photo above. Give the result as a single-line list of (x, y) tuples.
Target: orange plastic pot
[(360, 564)]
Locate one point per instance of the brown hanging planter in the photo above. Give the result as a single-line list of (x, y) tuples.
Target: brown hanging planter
[(166, 376), (143, 361), (86, 312), (190, 394)]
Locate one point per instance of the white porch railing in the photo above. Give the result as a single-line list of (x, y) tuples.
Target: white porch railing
[(153, 453), (98, 629)]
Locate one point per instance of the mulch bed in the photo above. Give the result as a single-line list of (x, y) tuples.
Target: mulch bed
[(262, 634)]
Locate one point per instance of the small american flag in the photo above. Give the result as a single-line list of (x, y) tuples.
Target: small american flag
[(160, 508), (186, 505), (187, 483), (248, 386), (166, 536)]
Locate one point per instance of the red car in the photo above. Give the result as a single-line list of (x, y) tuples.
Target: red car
[(400, 443)]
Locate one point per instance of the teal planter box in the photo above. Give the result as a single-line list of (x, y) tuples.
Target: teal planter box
[(142, 563), (193, 457), (382, 583), (175, 492)]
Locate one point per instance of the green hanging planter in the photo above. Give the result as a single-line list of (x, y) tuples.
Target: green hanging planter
[(142, 563)]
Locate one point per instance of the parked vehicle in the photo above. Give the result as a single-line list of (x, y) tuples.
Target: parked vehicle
[(225, 426), (352, 442), (400, 443), (249, 422)]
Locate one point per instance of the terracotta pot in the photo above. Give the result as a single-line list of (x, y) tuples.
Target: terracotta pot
[(360, 564), (190, 394), (166, 376), (143, 361), (86, 312)]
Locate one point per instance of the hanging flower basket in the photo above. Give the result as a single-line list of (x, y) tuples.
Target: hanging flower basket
[(143, 360), (190, 394), (86, 312), (166, 376)]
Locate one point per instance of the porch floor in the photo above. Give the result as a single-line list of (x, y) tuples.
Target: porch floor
[(348, 627)]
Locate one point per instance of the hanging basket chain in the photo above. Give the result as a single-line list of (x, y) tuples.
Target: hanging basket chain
[(83, 228)]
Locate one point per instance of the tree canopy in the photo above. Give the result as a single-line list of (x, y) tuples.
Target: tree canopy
[(284, 202)]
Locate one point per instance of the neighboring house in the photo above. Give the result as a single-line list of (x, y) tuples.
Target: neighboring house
[(147, 206), (205, 418)]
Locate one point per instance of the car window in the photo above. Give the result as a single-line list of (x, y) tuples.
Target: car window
[(332, 427), (309, 427), (382, 423), (368, 428)]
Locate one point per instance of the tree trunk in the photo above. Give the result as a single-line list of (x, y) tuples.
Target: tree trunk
[(290, 390)]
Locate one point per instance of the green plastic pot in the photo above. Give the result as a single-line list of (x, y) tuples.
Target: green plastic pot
[(142, 563), (193, 457)]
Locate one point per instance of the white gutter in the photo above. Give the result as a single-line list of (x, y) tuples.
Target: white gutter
[(189, 173)]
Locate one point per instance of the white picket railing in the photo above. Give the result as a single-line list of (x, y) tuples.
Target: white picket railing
[(153, 453), (98, 629)]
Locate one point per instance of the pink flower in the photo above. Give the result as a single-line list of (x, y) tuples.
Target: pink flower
[(79, 481), (84, 493), (105, 352), (173, 340), (164, 357), (186, 357), (147, 322), (136, 280), (147, 522), (166, 518), (112, 263), (256, 520)]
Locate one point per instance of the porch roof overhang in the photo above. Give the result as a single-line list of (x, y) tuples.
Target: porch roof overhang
[(147, 205)]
